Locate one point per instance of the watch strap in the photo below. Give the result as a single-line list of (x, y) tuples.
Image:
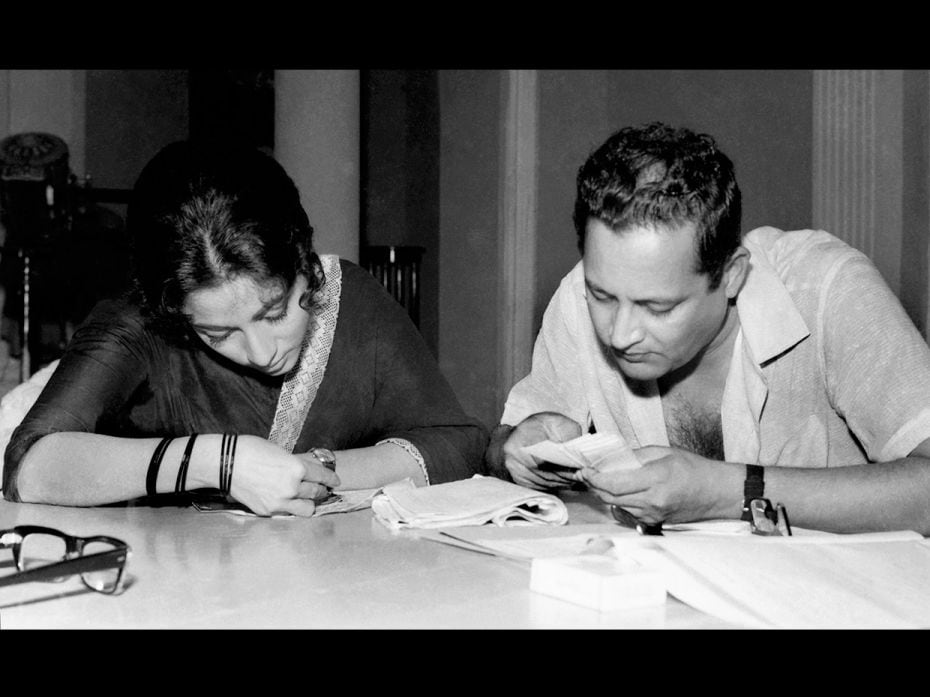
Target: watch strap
[(753, 488)]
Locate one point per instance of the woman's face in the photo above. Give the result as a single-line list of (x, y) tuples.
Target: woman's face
[(258, 326)]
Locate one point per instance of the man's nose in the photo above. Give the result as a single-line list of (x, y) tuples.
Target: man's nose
[(626, 330)]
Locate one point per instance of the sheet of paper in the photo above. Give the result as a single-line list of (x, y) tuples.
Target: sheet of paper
[(526, 543), (810, 580), (340, 502), (534, 542), (874, 581), (605, 451), (346, 501)]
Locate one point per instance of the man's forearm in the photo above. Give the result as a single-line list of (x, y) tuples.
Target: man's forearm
[(859, 498)]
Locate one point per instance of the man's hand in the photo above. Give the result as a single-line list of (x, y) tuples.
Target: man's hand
[(672, 486), (524, 468)]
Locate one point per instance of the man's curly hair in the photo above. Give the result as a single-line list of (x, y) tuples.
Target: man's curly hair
[(202, 214), (658, 176)]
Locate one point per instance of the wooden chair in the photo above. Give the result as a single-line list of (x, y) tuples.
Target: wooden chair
[(398, 270)]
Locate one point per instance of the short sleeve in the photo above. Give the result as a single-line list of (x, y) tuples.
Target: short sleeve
[(876, 363)]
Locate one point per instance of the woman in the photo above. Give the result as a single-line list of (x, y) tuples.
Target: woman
[(243, 362)]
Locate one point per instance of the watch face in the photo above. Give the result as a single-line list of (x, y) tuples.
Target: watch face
[(326, 456)]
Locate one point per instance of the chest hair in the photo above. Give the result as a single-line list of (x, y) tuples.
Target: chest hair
[(697, 429)]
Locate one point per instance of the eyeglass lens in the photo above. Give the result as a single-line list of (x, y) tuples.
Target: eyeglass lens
[(40, 549), (104, 580)]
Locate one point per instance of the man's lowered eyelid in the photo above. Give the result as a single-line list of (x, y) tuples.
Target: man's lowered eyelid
[(649, 304), (663, 306), (596, 291)]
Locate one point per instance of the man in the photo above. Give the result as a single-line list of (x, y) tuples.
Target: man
[(775, 364)]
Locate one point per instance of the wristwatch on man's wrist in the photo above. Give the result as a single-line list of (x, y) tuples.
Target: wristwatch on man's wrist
[(325, 456), (753, 488)]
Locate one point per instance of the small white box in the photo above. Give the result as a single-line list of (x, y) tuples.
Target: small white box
[(599, 581)]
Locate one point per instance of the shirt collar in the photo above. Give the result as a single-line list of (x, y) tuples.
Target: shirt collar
[(769, 319)]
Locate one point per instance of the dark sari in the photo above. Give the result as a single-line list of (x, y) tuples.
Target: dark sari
[(120, 378)]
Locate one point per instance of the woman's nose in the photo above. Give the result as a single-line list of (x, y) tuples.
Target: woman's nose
[(260, 348)]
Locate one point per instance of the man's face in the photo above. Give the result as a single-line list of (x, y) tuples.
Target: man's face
[(650, 308)]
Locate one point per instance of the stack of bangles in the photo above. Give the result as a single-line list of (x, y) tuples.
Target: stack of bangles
[(227, 460)]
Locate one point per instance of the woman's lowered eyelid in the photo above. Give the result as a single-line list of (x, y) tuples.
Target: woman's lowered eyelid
[(217, 340), (280, 317), (274, 312)]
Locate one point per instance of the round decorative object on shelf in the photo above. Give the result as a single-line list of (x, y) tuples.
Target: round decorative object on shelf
[(32, 156)]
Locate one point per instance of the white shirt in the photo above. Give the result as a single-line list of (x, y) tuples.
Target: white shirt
[(827, 368)]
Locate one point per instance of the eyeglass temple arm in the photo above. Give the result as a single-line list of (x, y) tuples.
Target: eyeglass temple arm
[(69, 567)]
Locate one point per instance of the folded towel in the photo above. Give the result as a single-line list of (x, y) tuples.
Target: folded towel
[(474, 501)]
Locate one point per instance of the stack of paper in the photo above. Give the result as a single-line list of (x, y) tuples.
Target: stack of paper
[(606, 451), (474, 501), (864, 581), (811, 580)]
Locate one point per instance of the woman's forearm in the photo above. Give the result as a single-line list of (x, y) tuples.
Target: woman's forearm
[(375, 466), (88, 469)]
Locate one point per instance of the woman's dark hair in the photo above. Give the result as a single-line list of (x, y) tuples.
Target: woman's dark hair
[(202, 214), (659, 175)]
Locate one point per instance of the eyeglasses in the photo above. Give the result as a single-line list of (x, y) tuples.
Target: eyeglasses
[(46, 554)]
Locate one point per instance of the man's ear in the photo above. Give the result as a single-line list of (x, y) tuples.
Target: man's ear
[(736, 271)]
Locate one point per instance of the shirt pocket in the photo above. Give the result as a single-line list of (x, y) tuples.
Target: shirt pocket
[(804, 447)]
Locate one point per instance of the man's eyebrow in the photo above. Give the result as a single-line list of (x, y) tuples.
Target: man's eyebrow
[(658, 301), (593, 286), (639, 301)]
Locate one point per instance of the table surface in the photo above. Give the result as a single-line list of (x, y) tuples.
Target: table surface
[(210, 570)]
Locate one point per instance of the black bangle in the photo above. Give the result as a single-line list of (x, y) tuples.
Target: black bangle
[(180, 486), (227, 460), (232, 461), (753, 488), (151, 477)]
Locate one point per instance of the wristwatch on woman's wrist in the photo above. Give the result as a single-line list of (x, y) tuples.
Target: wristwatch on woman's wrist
[(325, 456)]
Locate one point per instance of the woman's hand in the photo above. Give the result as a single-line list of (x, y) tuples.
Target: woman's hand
[(270, 480), (317, 473)]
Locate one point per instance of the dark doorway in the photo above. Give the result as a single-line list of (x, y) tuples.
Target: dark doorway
[(400, 184), (233, 105)]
